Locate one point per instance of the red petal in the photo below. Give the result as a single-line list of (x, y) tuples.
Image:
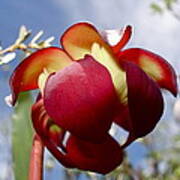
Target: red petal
[(145, 102), (122, 117), (100, 158), (25, 76), (57, 153), (81, 99), (52, 142), (124, 40), (155, 66), (83, 39), (44, 125), (79, 38)]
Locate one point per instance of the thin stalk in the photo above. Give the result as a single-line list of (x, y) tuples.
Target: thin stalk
[(36, 159)]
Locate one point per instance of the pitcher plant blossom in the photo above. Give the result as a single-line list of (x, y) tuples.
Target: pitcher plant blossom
[(85, 86)]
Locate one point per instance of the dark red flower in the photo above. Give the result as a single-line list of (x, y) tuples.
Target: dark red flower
[(85, 87)]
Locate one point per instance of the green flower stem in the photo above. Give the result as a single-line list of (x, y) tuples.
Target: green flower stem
[(36, 159)]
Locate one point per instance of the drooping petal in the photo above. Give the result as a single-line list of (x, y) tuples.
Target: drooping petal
[(81, 99), (154, 65), (53, 141), (44, 125), (25, 76), (101, 158), (145, 102), (79, 38)]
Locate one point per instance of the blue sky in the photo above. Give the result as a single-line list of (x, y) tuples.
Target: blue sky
[(154, 32)]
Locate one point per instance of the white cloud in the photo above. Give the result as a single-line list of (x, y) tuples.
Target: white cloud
[(155, 32)]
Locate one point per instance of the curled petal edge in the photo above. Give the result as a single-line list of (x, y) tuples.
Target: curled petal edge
[(25, 76), (154, 65)]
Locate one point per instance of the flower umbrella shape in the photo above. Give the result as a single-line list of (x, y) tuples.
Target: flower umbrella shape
[(87, 85)]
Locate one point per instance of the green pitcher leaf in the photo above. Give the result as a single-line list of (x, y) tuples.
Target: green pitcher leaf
[(22, 136)]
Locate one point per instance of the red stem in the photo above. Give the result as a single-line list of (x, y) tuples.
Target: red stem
[(36, 159)]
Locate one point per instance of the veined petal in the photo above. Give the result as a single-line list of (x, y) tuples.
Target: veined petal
[(155, 66), (145, 102), (25, 76), (101, 158), (81, 99)]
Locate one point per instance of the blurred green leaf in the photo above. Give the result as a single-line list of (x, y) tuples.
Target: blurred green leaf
[(177, 172), (156, 8), (169, 3), (22, 136)]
